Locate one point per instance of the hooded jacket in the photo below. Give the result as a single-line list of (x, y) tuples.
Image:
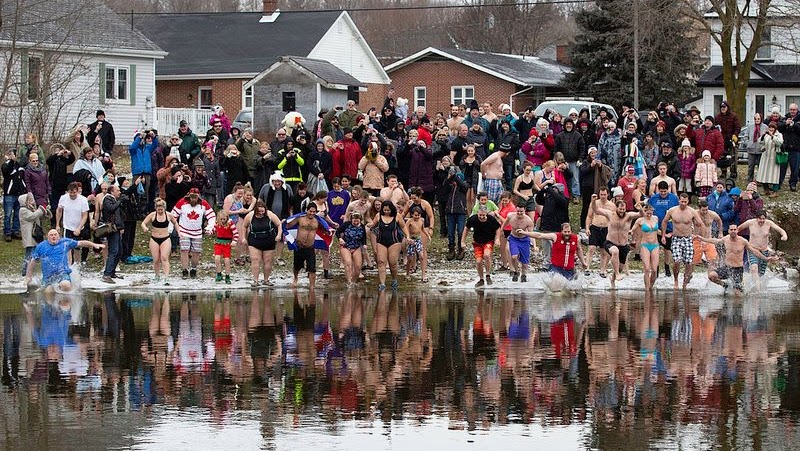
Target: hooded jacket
[(140, 151), (38, 183), (571, 145)]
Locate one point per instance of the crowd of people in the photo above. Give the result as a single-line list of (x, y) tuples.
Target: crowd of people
[(375, 180)]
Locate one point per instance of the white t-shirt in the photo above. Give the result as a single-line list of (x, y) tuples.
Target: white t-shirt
[(73, 209)]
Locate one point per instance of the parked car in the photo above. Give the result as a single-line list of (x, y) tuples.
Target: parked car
[(244, 119), (563, 106)]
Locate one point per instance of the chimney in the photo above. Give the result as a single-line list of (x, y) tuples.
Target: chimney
[(270, 11), (562, 55)]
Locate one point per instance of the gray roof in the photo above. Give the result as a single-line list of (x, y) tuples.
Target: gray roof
[(771, 75), (522, 70), (75, 23), (231, 43), (326, 71)]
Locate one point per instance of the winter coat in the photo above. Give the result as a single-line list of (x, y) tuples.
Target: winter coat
[(237, 172), (38, 183), (421, 168), (536, 153), (705, 174), (755, 145), (320, 162), (345, 160), (723, 206), (481, 142), (593, 177), (249, 151), (673, 165), (140, 151), (554, 209), (95, 168), (292, 168), (688, 164), (190, 146), (728, 124), (747, 208), (571, 145), (106, 133), (373, 171), (57, 170), (212, 170), (610, 153), (27, 218), (223, 119), (456, 195), (710, 139), (791, 134)]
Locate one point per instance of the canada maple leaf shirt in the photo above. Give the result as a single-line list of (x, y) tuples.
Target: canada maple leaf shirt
[(190, 218)]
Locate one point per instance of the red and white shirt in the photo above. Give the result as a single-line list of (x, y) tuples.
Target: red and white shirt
[(190, 218)]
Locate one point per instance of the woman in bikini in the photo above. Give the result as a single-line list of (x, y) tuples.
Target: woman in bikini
[(390, 231), (261, 231), (352, 237), (235, 204), (649, 251), (157, 224), (523, 187)]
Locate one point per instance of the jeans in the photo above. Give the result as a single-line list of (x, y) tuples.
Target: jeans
[(11, 211), (575, 186), (113, 244), (752, 161), (794, 164), (508, 175), (455, 227)]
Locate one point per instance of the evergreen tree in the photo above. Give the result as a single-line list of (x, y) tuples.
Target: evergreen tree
[(602, 57)]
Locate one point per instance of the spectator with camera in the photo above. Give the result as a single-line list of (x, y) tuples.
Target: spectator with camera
[(790, 128), (144, 144), (729, 126), (104, 130)]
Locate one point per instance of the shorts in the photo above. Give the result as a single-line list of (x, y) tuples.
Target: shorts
[(305, 257), (530, 204), (192, 244), (762, 264), (415, 247), (682, 249), (568, 274), (702, 248), (84, 235), (597, 235), (521, 248), (223, 250), (56, 278), (725, 272), (482, 249), (494, 188), (622, 248)]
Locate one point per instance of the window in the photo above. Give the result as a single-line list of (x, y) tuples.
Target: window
[(760, 104), (34, 78), (116, 83), (765, 51), (790, 100), (462, 94), (717, 100), (247, 99), (205, 97), (420, 96), (288, 101)]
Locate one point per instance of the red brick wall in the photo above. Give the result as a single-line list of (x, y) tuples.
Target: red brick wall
[(439, 76), (183, 93), (373, 97)]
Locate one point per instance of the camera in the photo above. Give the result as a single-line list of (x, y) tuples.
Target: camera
[(451, 171)]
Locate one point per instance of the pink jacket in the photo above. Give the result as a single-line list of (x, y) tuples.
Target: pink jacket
[(706, 173)]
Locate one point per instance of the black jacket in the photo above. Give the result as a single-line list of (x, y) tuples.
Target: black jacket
[(57, 170), (106, 135), (111, 211), (13, 182), (571, 145), (554, 209), (791, 135)]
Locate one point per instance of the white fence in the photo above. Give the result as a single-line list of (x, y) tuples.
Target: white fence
[(166, 120)]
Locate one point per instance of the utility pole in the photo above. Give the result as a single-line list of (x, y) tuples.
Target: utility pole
[(636, 54)]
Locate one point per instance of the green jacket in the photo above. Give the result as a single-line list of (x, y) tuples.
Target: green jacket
[(190, 146)]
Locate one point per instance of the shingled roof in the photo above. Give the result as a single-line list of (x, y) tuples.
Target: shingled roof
[(68, 25), (518, 69), (763, 75), (231, 43)]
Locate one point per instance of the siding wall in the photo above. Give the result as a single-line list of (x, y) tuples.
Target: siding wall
[(342, 47), (708, 105), (183, 93), (268, 101), (784, 36)]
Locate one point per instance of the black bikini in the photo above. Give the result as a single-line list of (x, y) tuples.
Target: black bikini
[(160, 225)]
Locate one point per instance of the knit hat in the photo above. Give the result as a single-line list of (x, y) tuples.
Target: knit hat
[(199, 163), (542, 121), (661, 124), (686, 143), (724, 103), (706, 153), (505, 147), (572, 111), (175, 170), (735, 191), (617, 191), (709, 118), (504, 106), (776, 110), (473, 105), (630, 169)]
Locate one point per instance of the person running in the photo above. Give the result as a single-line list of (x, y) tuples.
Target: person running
[(352, 237), (485, 234), (684, 220), (492, 169), (619, 229), (564, 250), (597, 230), (712, 228), (53, 255), (190, 212), (760, 228), (390, 231), (648, 227), (360, 202), (519, 243), (157, 224), (418, 239), (226, 235), (505, 209), (662, 201), (733, 267), (261, 231), (304, 255)]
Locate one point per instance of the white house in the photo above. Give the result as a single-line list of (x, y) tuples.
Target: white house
[(66, 67), (774, 77)]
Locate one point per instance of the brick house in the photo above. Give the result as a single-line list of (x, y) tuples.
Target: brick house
[(212, 56), (437, 78)]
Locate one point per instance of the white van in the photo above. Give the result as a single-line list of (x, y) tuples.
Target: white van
[(563, 107)]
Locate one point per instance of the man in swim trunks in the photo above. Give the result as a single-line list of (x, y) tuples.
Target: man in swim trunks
[(685, 222), (619, 226), (760, 228), (710, 220), (485, 233), (492, 168), (564, 249), (733, 268), (519, 243), (597, 228), (53, 254), (304, 255)]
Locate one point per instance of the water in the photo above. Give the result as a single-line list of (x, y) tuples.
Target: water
[(358, 370)]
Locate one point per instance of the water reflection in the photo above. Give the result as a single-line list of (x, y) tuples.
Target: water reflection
[(281, 369)]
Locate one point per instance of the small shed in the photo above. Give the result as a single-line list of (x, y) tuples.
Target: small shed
[(298, 84)]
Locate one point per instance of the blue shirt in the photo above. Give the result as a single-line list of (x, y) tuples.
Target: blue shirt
[(661, 205), (54, 257)]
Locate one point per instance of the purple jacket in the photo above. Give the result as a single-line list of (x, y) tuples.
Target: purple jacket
[(421, 168), (688, 165), (38, 184), (746, 208)]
